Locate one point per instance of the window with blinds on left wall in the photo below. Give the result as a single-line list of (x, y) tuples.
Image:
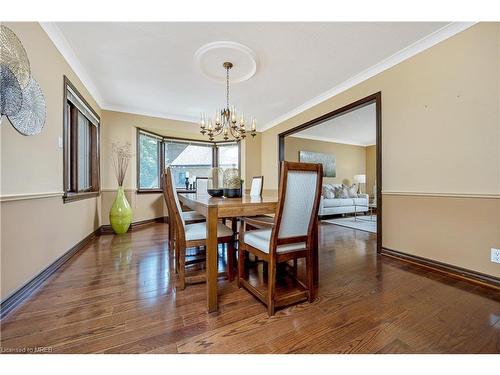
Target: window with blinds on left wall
[(80, 146)]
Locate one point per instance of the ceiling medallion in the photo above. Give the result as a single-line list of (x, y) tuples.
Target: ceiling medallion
[(209, 56), (226, 119)]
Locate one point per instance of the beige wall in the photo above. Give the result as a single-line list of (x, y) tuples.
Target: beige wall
[(35, 232), (371, 169), (250, 159), (440, 135), (350, 160)]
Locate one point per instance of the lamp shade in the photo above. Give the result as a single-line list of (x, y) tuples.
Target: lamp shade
[(360, 178)]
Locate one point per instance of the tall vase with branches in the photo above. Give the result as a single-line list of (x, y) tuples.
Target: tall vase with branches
[(120, 215)]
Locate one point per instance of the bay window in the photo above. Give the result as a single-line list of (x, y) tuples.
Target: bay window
[(187, 158)]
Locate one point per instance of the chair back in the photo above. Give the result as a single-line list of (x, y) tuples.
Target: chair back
[(201, 185), (173, 204), (257, 185), (298, 203)]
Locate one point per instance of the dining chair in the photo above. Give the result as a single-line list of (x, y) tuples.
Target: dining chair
[(202, 185), (189, 217), (290, 236), (193, 235)]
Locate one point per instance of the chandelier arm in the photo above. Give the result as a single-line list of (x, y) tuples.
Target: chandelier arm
[(235, 133)]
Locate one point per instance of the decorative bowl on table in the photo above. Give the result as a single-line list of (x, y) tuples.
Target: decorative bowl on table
[(215, 192)]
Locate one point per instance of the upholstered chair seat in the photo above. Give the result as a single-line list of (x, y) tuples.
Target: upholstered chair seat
[(195, 232), (188, 216), (261, 239)]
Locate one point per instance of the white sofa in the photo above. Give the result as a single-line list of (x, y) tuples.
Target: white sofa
[(335, 206)]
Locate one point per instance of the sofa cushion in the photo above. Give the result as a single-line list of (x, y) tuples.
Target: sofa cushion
[(360, 201), (338, 202)]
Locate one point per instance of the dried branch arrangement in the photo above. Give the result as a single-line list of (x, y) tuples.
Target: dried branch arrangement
[(120, 155)]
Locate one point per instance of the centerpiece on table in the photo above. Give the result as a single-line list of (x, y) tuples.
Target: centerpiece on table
[(120, 215), (232, 183)]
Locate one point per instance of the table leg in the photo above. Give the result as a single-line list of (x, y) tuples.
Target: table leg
[(212, 259)]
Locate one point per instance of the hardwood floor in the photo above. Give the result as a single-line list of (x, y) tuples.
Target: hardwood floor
[(118, 296)]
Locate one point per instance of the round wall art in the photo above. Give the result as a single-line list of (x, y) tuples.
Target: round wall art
[(21, 98), (29, 120), (13, 55), (11, 96)]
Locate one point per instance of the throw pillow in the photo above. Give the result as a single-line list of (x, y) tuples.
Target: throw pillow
[(345, 192), (352, 191), (328, 192), (338, 191)]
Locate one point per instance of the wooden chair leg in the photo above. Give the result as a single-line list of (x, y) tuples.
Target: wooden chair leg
[(177, 257), (271, 285), (310, 276), (294, 268), (230, 261), (170, 234), (241, 264), (182, 268)]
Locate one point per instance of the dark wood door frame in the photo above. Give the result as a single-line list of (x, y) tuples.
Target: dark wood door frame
[(374, 98)]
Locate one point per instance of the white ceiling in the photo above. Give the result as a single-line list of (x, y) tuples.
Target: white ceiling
[(356, 128), (149, 68)]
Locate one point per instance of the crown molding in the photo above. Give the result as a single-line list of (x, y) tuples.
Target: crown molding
[(142, 112), (421, 45), (430, 40), (57, 37), (329, 139)]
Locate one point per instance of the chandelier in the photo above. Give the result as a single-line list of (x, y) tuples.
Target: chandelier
[(226, 120)]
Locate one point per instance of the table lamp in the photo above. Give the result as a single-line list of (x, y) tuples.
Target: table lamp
[(360, 179)]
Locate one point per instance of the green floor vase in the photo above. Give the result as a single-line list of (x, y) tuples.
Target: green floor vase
[(120, 215)]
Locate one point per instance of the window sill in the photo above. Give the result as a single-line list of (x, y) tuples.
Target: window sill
[(72, 197)]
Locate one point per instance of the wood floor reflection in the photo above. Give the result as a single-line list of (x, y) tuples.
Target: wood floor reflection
[(119, 296)]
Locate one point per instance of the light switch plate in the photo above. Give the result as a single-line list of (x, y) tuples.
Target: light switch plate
[(495, 255), (60, 142)]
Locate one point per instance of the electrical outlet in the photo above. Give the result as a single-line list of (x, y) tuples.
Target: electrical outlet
[(495, 255)]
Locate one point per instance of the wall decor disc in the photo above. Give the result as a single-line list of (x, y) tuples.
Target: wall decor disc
[(13, 55), (11, 96), (31, 117)]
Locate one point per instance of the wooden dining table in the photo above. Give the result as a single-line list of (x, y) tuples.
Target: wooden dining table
[(216, 208)]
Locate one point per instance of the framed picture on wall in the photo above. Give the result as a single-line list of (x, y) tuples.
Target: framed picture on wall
[(328, 161)]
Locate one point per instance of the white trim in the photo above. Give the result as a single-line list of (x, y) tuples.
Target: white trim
[(410, 51), (141, 112), (430, 40), (329, 139), (441, 195), (22, 197), (69, 55)]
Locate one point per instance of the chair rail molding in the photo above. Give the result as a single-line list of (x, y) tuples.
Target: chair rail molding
[(440, 194), (28, 196)]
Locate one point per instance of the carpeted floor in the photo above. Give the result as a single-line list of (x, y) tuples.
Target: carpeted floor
[(366, 223)]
